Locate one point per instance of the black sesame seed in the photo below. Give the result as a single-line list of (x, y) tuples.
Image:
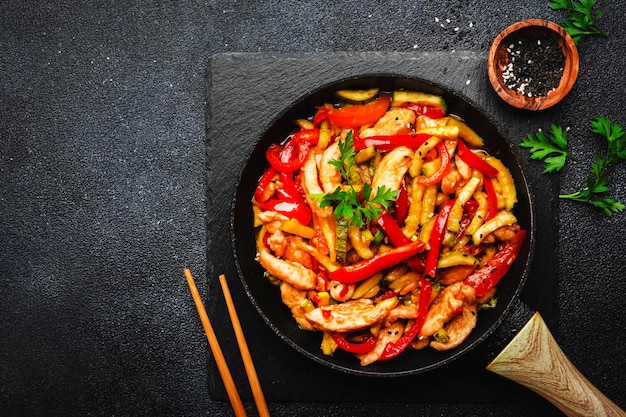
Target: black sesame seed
[(535, 65)]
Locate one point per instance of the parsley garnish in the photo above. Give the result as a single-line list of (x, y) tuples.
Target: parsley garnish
[(359, 208), (542, 147), (582, 20), (550, 148), (597, 181)]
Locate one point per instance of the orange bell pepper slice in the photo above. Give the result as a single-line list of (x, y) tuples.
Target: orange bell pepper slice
[(360, 114)]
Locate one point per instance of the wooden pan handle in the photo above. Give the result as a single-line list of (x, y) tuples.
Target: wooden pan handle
[(535, 360)]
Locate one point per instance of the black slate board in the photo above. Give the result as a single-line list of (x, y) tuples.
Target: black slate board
[(245, 92)]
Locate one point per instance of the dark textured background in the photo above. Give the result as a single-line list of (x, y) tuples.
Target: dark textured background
[(103, 192)]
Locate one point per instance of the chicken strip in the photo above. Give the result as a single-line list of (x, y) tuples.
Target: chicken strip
[(346, 317), (395, 122), (391, 170), (330, 177), (323, 215), (447, 305), (293, 298), (390, 334), (293, 273), (458, 328)]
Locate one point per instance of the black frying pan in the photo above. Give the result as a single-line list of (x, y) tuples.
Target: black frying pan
[(266, 297)]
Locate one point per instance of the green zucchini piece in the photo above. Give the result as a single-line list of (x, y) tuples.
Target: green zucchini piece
[(419, 97), (357, 96), (365, 155), (441, 336), (466, 132), (341, 244), (454, 258)]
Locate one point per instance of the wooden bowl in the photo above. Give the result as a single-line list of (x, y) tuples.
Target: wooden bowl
[(509, 64)]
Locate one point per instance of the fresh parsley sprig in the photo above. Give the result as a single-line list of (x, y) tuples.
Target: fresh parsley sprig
[(582, 20), (347, 161), (597, 181), (359, 208), (551, 148), (615, 136)]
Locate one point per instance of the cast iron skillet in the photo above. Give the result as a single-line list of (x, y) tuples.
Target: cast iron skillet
[(266, 297)]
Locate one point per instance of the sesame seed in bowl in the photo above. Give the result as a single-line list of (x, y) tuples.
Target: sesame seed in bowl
[(533, 64)]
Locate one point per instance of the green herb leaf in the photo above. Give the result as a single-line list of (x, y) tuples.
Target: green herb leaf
[(582, 19), (597, 181), (359, 210), (550, 148), (615, 136), (609, 206)]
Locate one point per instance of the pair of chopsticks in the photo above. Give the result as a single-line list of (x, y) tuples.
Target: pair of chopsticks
[(229, 384)]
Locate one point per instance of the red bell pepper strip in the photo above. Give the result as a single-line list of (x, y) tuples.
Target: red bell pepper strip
[(492, 198), (402, 204), (312, 136), (262, 192), (474, 161), (393, 349), (416, 264), (266, 241), (390, 142), (473, 250), (368, 343), (293, 209), (298, 184), (359, 271), (387, 294), (289, 157), (443, 168), (425, 110), (487, 276), (320, 116), (392, 230), (398, 238), (293, 193), (360, 114), (289, 191), (469, 210), (315, 267), (436, 238)]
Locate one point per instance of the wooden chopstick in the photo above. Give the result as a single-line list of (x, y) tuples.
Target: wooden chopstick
[(229, 384), (257, 392)]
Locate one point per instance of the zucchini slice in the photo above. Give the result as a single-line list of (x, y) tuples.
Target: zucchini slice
[(466, 132), (445, 132), (357, 96), (419, 97), (454, 258), (365, 155), (341, 244)]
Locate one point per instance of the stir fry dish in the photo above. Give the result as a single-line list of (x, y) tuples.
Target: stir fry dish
[(385, 223)]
